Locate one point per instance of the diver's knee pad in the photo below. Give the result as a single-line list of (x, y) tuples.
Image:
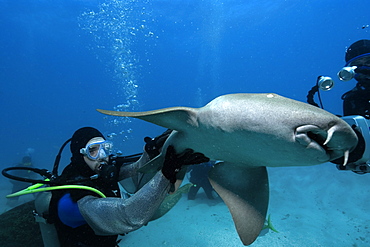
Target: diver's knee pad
[(48, 231)]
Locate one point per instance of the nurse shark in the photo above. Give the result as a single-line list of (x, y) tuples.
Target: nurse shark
[(249, 132)]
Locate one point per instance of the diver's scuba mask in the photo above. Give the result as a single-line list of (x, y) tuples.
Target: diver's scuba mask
[(100, 151), (97, 150)]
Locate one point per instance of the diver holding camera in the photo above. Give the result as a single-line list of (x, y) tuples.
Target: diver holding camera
[(356, 103)]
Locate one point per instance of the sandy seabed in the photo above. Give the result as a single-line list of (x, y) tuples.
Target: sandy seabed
[(309, 206)]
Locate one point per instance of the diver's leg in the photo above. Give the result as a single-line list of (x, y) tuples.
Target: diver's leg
[(193, 192), (207, 187)]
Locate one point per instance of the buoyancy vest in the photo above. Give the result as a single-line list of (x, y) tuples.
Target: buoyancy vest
[(82, 235)]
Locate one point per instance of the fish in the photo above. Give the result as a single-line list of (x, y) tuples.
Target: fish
[(248, 132)]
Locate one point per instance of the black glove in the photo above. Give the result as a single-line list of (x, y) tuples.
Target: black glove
[(173, 161), (153, 145)]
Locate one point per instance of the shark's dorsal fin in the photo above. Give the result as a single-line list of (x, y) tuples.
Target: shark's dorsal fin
[(177, 118)]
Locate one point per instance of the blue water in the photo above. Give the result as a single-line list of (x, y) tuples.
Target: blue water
[(61, 60)]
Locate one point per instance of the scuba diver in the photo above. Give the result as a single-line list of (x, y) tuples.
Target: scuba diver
[(199, 179), (79, 217), (356, 102), (19, 185)]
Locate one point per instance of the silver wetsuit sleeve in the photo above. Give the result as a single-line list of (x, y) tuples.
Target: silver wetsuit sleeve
[(131, 169), (111, 216)]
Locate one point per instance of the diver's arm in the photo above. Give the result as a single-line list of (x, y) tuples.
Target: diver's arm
[(111, 216)]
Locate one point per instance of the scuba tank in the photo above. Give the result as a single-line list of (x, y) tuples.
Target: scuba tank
[(48, 230)]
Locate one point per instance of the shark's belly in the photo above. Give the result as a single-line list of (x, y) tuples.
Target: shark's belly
[(251, 149)]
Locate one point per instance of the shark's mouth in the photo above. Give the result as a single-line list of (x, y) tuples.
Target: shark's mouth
[(314, 137)]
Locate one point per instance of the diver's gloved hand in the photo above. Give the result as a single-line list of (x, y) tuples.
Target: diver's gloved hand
[(153, 145), (173, 161)]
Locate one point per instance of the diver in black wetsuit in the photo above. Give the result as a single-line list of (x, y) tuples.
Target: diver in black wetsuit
[(356, 103), (81, 218), (199, 179), (357, 100)]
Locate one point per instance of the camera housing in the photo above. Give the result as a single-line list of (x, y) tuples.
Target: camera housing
[(359, 161)]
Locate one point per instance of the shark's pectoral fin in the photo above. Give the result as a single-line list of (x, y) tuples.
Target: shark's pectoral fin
[(147, 171), (155, 164), (177, 118), (245, 190), (143, 175)]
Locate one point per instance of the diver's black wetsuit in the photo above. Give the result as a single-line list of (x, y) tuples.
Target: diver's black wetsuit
[(82, 235), (199, 177), (106, 217), (357, 101)]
